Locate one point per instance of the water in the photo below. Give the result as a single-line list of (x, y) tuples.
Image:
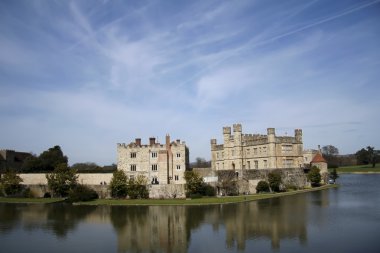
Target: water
[(346, 219)]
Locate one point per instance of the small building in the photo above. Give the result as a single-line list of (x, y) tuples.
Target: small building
[(256, 151), (319, 162), (161, 164), (13, 160)]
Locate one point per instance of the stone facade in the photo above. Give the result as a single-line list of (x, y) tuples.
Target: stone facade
[(255, 151), (308, 156), (161, 164), (10, 159)]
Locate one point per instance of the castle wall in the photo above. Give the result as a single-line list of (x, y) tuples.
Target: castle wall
[(37, 182), (248, 179)]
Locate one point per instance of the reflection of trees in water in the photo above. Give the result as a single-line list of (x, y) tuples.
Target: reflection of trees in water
[(9, 217), (58, 218), (62, 218)]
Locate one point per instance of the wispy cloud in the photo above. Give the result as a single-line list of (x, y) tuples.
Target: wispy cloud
[(97, 73)]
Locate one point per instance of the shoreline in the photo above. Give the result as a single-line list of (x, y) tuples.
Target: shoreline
[(200, 201), (359, 172), (31, 200), (167, 202)]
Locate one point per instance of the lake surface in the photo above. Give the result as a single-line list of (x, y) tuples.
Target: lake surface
[(346, 219)]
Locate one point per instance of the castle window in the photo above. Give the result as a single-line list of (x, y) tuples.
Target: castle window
[(248, 151), (178, 154), (256, 164), (133, 167), (154, 167), (178, 167), (287, 163), (222, 154), (249, 164), (176, 177), (154, 154), (264, 150), (287, 148), (265, 164), (233, 152), (132, 177), (255, 151), (133, 155), (217, 155), (155, 180)]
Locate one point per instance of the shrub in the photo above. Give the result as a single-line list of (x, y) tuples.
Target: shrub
[(62, 180), (11, 184), (195, 196), (209, 190), (27, 193), (291, 187), (118, 184), (137, 188), (262, 186), (82, 193), (47, 195), (314, 176), (274, 179)]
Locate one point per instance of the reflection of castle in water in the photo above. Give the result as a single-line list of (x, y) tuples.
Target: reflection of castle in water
[(276, 219), (152, 228), (169, 228)]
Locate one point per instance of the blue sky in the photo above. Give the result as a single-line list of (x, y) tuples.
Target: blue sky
[(86, 75)]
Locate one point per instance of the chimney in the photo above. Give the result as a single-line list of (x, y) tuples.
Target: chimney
[(138, 142), (152, 141), (178, 141), (167, 141)]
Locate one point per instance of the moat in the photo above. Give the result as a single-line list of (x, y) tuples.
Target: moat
[(344, 219)]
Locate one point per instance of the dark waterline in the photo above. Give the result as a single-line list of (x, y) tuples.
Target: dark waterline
[(346, 219)]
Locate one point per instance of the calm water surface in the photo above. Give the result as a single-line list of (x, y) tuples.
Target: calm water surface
[(336, 220)]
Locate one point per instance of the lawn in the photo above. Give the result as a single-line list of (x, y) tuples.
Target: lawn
[(31, 200), (200, 201), (359, 169)]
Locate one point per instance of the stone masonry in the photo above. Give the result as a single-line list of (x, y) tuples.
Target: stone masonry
[(161, 164), (255, 151)]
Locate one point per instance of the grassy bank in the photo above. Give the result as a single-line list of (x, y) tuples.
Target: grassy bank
[(201, 201), (359, 169), (31, 200)]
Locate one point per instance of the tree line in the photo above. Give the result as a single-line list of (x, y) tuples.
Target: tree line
[(364, 156)]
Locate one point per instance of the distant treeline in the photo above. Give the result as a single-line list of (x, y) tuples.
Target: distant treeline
[(48, 160)]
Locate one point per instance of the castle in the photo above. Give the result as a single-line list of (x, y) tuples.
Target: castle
[(255, 151), (159, 163), (250, 156)]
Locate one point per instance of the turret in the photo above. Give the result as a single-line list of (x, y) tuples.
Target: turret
[(298, 135), (213, 143), (226, 134), (237, 134), (271, 135)]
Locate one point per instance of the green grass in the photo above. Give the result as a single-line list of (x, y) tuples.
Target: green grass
[(31, 200), (359, 169), (200, 201)]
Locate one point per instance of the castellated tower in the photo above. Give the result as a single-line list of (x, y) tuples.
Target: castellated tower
[(226, 134), (237, 134), (272, 163)]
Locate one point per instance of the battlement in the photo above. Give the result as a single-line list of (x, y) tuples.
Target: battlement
[(237, 127), (226, 130)]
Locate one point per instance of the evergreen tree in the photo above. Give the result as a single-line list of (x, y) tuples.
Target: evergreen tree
[(118, 184), (314, 176)]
